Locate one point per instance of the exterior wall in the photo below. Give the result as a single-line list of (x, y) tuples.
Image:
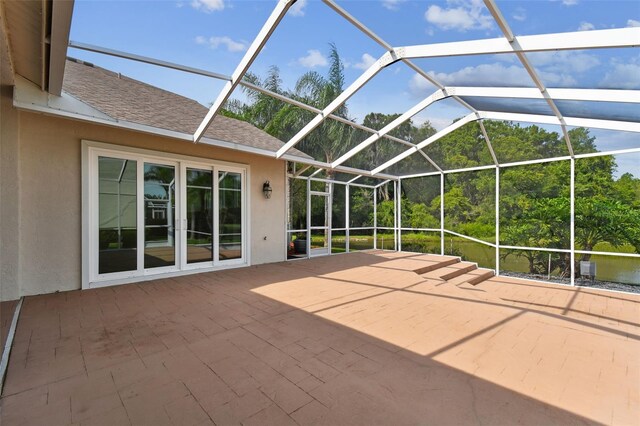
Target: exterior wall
[(51, 197), (9, 197)]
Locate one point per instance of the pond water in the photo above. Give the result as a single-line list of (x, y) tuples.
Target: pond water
[(617, 269)]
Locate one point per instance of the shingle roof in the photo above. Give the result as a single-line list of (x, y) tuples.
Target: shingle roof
[(123, 98)]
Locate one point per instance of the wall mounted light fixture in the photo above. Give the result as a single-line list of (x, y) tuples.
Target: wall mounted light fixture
[(266, 189)]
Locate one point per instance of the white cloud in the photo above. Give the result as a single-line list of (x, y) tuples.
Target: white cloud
[(462, 16), (564, 61), (485, 75), (586, 26), (298, 8), (420, 86), (366, 62), (391, 4), (520, 14), (208, 6), (439, 123), (633, 23), (623, 76), (313, 59), (215, 42), (568, 2)]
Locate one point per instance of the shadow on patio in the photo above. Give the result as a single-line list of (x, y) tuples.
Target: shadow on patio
[(352, 339)]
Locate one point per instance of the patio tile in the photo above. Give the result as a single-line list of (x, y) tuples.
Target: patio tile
[(354, 339), (210, 391), (319, 369), (240, 408), (83, 408), (311, 414), (117, 416), (288, 396), (272, 415), (186, 412), (58, 413)]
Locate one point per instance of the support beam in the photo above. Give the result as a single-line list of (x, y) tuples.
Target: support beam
[(572, 214), (146, 60), (302, 170), (497, 218), (624, 126), (426, 142), (399, 212), (363, 28), (302, 160), (315, 173), (258, 43), (382, 183), (437, 95), (198, 71), (597, 39), (384, 61), (375, 217), (488, 142), (600, 95), (442, 214), (347, 189), (515, 44), (429, 160), (527, 162)]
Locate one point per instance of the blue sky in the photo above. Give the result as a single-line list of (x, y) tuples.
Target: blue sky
[(213, 34)]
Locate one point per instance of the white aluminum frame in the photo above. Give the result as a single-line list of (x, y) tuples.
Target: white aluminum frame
[(250, 55), (508, 44)]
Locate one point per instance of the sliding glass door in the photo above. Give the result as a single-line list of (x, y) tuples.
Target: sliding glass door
[(199, 215), (117, 215), (214, 215), (159, 215), (229, 215), (152, 216)]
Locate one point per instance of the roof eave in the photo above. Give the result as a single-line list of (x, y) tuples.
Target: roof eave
[(28, 98)]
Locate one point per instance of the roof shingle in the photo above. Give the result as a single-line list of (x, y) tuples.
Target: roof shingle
[(125, 99)]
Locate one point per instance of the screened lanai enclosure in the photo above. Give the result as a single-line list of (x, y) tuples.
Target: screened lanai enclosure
[(519, 151)]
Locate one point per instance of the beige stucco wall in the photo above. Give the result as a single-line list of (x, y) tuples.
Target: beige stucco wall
[(9, 197), (50, 197)]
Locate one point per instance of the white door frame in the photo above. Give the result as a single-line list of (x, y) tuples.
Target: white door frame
[(91, 151)]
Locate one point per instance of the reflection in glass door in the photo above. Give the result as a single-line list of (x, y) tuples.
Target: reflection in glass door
[(319, 213), (117, 228), (199, 216), (159, 214), (229, 215)]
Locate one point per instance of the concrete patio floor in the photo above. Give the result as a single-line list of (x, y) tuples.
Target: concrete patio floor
[(349, 339)]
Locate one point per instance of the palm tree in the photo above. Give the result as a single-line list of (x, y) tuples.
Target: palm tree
[(283, 120), (312, 88)]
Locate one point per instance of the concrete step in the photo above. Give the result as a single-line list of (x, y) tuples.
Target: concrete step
[(450, 271), (485, 275), (435, 266), (461, 286), (459, 269), (473, 277)]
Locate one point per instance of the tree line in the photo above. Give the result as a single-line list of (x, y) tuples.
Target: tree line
[(534, 199)]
